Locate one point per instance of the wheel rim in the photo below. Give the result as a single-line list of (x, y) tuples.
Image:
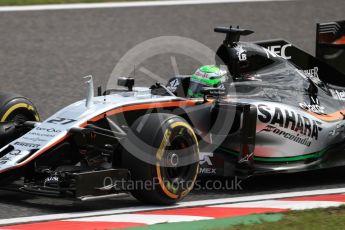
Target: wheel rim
[(18, 118), (178, 178)]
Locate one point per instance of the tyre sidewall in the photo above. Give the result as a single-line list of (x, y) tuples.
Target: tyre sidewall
[(15, 105), (154, 134)]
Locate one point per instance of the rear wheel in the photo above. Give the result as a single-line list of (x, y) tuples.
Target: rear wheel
[(163, 158)]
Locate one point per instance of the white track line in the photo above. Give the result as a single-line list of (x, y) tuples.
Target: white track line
[(76, 6), (141, 218), (180, 205), (283, 204)]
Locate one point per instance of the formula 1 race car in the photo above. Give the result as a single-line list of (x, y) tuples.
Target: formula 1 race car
[(281, 110)]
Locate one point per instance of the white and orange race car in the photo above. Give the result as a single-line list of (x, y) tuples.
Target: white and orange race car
[(285, 114)]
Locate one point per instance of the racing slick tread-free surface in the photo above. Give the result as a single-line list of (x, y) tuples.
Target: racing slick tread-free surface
[(150, 136), (11, 104)]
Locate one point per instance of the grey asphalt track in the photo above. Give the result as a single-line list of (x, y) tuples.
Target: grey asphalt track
[(45, 54), (14, 204)]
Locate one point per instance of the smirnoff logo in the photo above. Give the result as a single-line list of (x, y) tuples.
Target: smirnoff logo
[(312, 108), (340, 94)]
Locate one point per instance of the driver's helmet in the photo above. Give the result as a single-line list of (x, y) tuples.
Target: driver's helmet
[(206, 76)]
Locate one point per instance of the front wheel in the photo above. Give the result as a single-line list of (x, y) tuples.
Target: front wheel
[(163, 158), (16, 108)]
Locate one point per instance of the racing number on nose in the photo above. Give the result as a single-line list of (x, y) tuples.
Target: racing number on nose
[(61, 121)]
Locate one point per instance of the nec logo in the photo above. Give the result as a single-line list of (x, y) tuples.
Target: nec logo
[(278, 50)]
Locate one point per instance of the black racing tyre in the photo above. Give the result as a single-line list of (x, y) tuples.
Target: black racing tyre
[(14, 107), (162, 155)]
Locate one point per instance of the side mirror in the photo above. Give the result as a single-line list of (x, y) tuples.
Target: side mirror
[(210, 91), (126, 82), (214, 92)]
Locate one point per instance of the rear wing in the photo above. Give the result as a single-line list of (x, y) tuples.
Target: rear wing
[(330, 44), (329, 63)]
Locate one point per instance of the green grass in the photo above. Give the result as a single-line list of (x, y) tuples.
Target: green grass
[(35, 2), (214, 224), (316, 219)]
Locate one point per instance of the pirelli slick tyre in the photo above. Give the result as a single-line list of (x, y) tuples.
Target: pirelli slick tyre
[(163, 158), (14, 107)]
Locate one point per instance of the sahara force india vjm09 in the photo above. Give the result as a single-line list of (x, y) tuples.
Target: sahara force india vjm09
[(287, 115)]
